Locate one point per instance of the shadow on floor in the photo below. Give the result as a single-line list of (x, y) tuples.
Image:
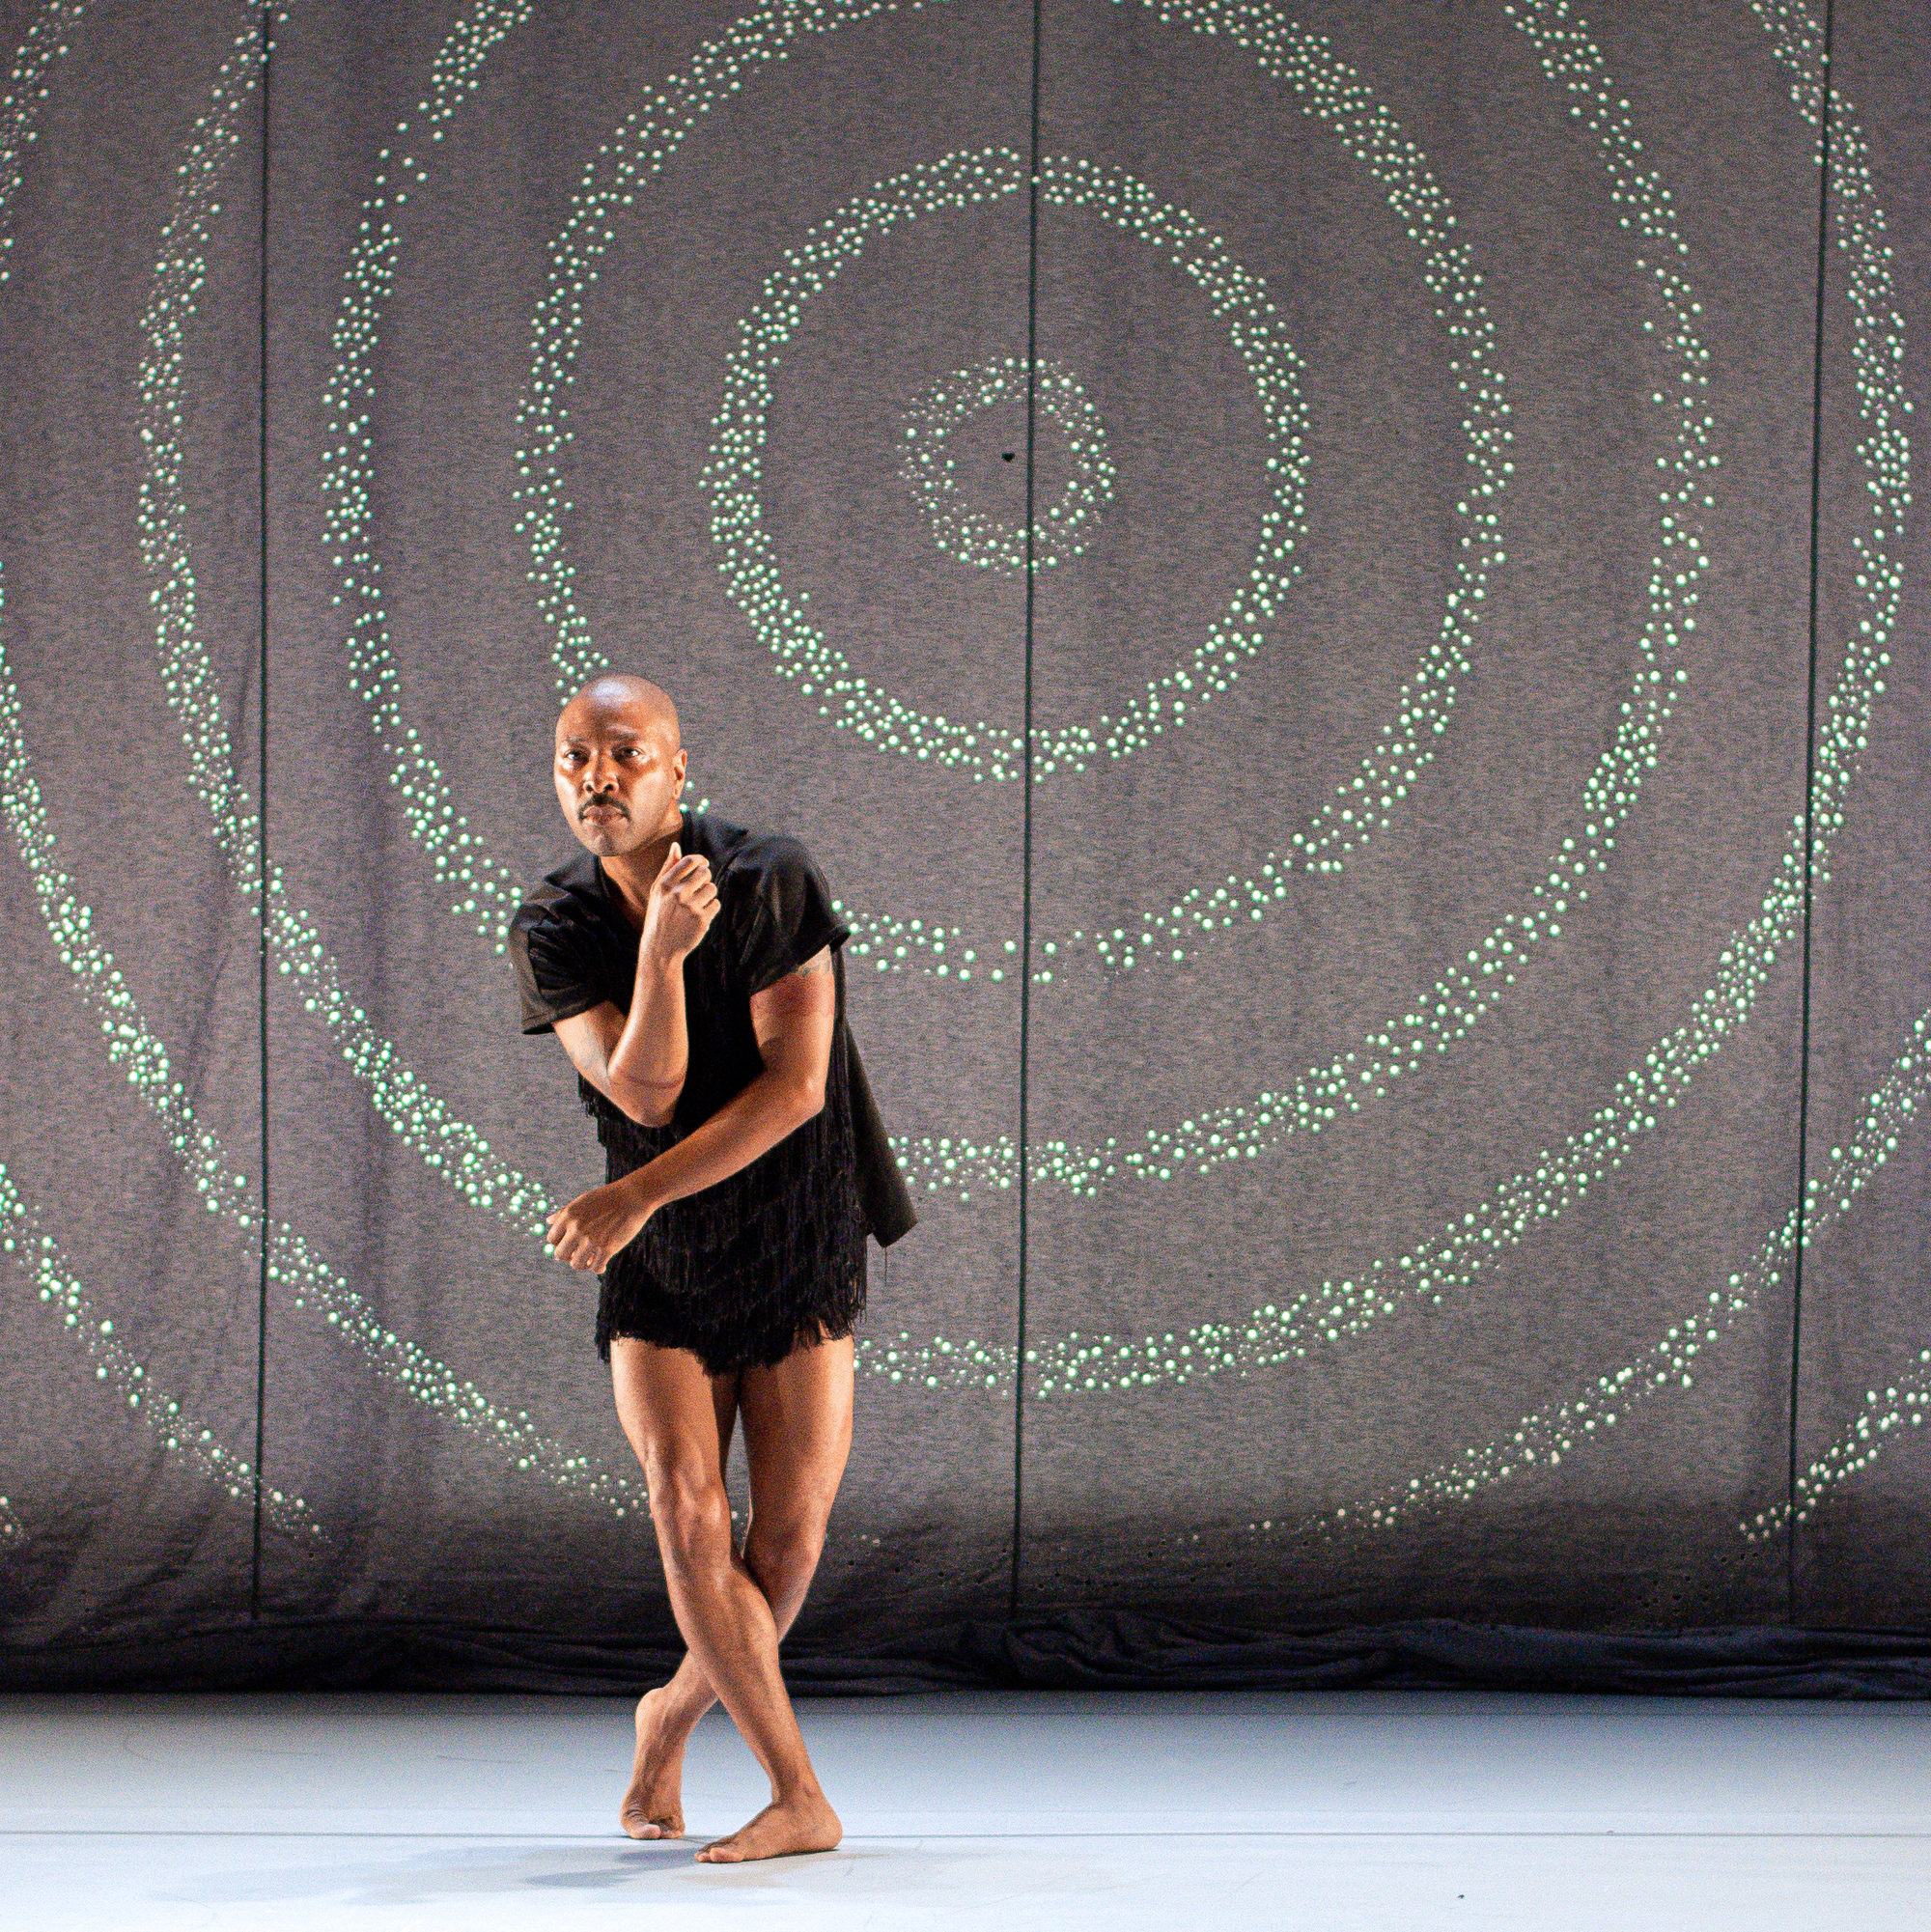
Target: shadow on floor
[(455, 1869)]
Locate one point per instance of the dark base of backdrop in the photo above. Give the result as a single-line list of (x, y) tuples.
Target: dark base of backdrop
[(1074, 1651)]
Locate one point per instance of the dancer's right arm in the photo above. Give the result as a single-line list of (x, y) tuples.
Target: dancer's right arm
[(639, 1060)]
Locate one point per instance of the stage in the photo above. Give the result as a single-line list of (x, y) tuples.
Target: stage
[(1397, 1810)]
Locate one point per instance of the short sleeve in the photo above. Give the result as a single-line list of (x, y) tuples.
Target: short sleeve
[(788, 917), (555, 969)]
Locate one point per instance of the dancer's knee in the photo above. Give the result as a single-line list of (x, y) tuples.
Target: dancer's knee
[(784, 1555), (692, 1514)]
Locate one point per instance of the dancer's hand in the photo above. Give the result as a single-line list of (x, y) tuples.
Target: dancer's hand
[(588, 1231), (682, 903)]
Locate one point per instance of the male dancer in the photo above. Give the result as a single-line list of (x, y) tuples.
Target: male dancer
[(690, 969)]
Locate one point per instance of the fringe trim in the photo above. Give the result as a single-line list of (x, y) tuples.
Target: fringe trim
[(761, 1337), (745, 1270)]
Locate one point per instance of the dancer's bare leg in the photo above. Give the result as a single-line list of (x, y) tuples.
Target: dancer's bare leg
[(797, 1434), (669, 1408), (653, 1805)]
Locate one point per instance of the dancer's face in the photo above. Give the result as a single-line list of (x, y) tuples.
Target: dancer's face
[(619, 771)]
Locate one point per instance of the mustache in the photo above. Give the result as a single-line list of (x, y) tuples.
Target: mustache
[(612, 804)]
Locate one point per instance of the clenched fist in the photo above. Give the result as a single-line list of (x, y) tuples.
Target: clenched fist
[(683, 902), (589, 1230)]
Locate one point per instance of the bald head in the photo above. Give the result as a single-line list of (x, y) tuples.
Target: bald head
[(646, 708), (619, 765)]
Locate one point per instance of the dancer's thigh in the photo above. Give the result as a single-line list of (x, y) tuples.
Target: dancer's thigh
[(798, 1432), (678, 1417)]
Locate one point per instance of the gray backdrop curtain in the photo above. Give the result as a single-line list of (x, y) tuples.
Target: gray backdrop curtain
[(1292, 569)]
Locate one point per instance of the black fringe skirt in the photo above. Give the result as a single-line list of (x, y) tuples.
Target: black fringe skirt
[(770, 1259)]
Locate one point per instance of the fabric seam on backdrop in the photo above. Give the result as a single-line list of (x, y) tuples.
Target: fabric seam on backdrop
[(1025, 826), (1824, 107), (262, 799)]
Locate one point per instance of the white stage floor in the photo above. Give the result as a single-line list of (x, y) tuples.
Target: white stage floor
[(1115, 1811)]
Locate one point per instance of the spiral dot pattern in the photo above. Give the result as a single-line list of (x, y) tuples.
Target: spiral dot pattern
[(734, 468), (1571, 58), (1545, 1437), (928, 467), (299, 1274), (46, 42), (1273, 1333), (181, 1434)]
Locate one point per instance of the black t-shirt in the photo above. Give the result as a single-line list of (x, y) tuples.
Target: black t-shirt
[(574, 948)]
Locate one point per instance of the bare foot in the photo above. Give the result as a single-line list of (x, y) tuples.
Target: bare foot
[(803, 1824), (653, 1807)]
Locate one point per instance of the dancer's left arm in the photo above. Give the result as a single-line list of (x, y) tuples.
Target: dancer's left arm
[(793, 1018)]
